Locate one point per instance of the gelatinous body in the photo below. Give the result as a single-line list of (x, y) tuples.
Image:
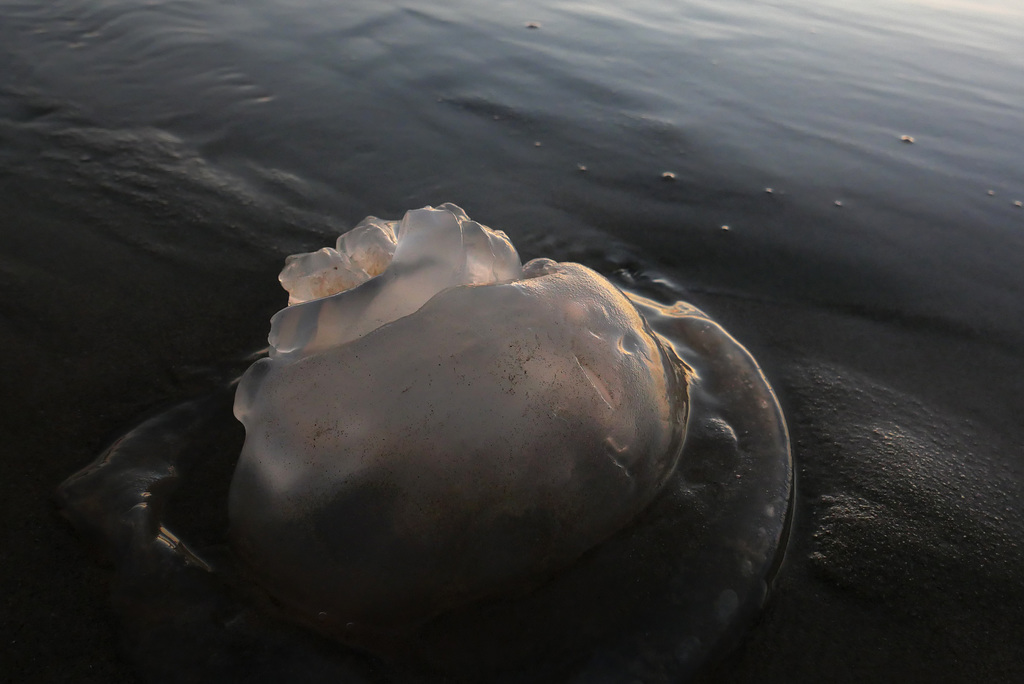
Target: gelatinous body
[(475, 444), (489, 484)]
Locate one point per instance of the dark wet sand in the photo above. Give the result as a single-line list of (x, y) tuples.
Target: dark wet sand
[(905, 559), (134, 267)]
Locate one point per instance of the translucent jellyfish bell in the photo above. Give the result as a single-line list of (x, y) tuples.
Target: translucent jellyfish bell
[(469, 467), (403, 458)]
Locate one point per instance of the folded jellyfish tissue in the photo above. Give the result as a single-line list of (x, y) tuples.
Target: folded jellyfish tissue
[(438, 423)]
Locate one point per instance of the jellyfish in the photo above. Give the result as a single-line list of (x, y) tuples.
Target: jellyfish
[(456, 466), (403, 457)]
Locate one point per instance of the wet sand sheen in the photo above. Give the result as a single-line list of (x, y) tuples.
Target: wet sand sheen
[(148, 191)]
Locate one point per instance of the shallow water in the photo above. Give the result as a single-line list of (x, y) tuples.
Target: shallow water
[(159, 159)]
